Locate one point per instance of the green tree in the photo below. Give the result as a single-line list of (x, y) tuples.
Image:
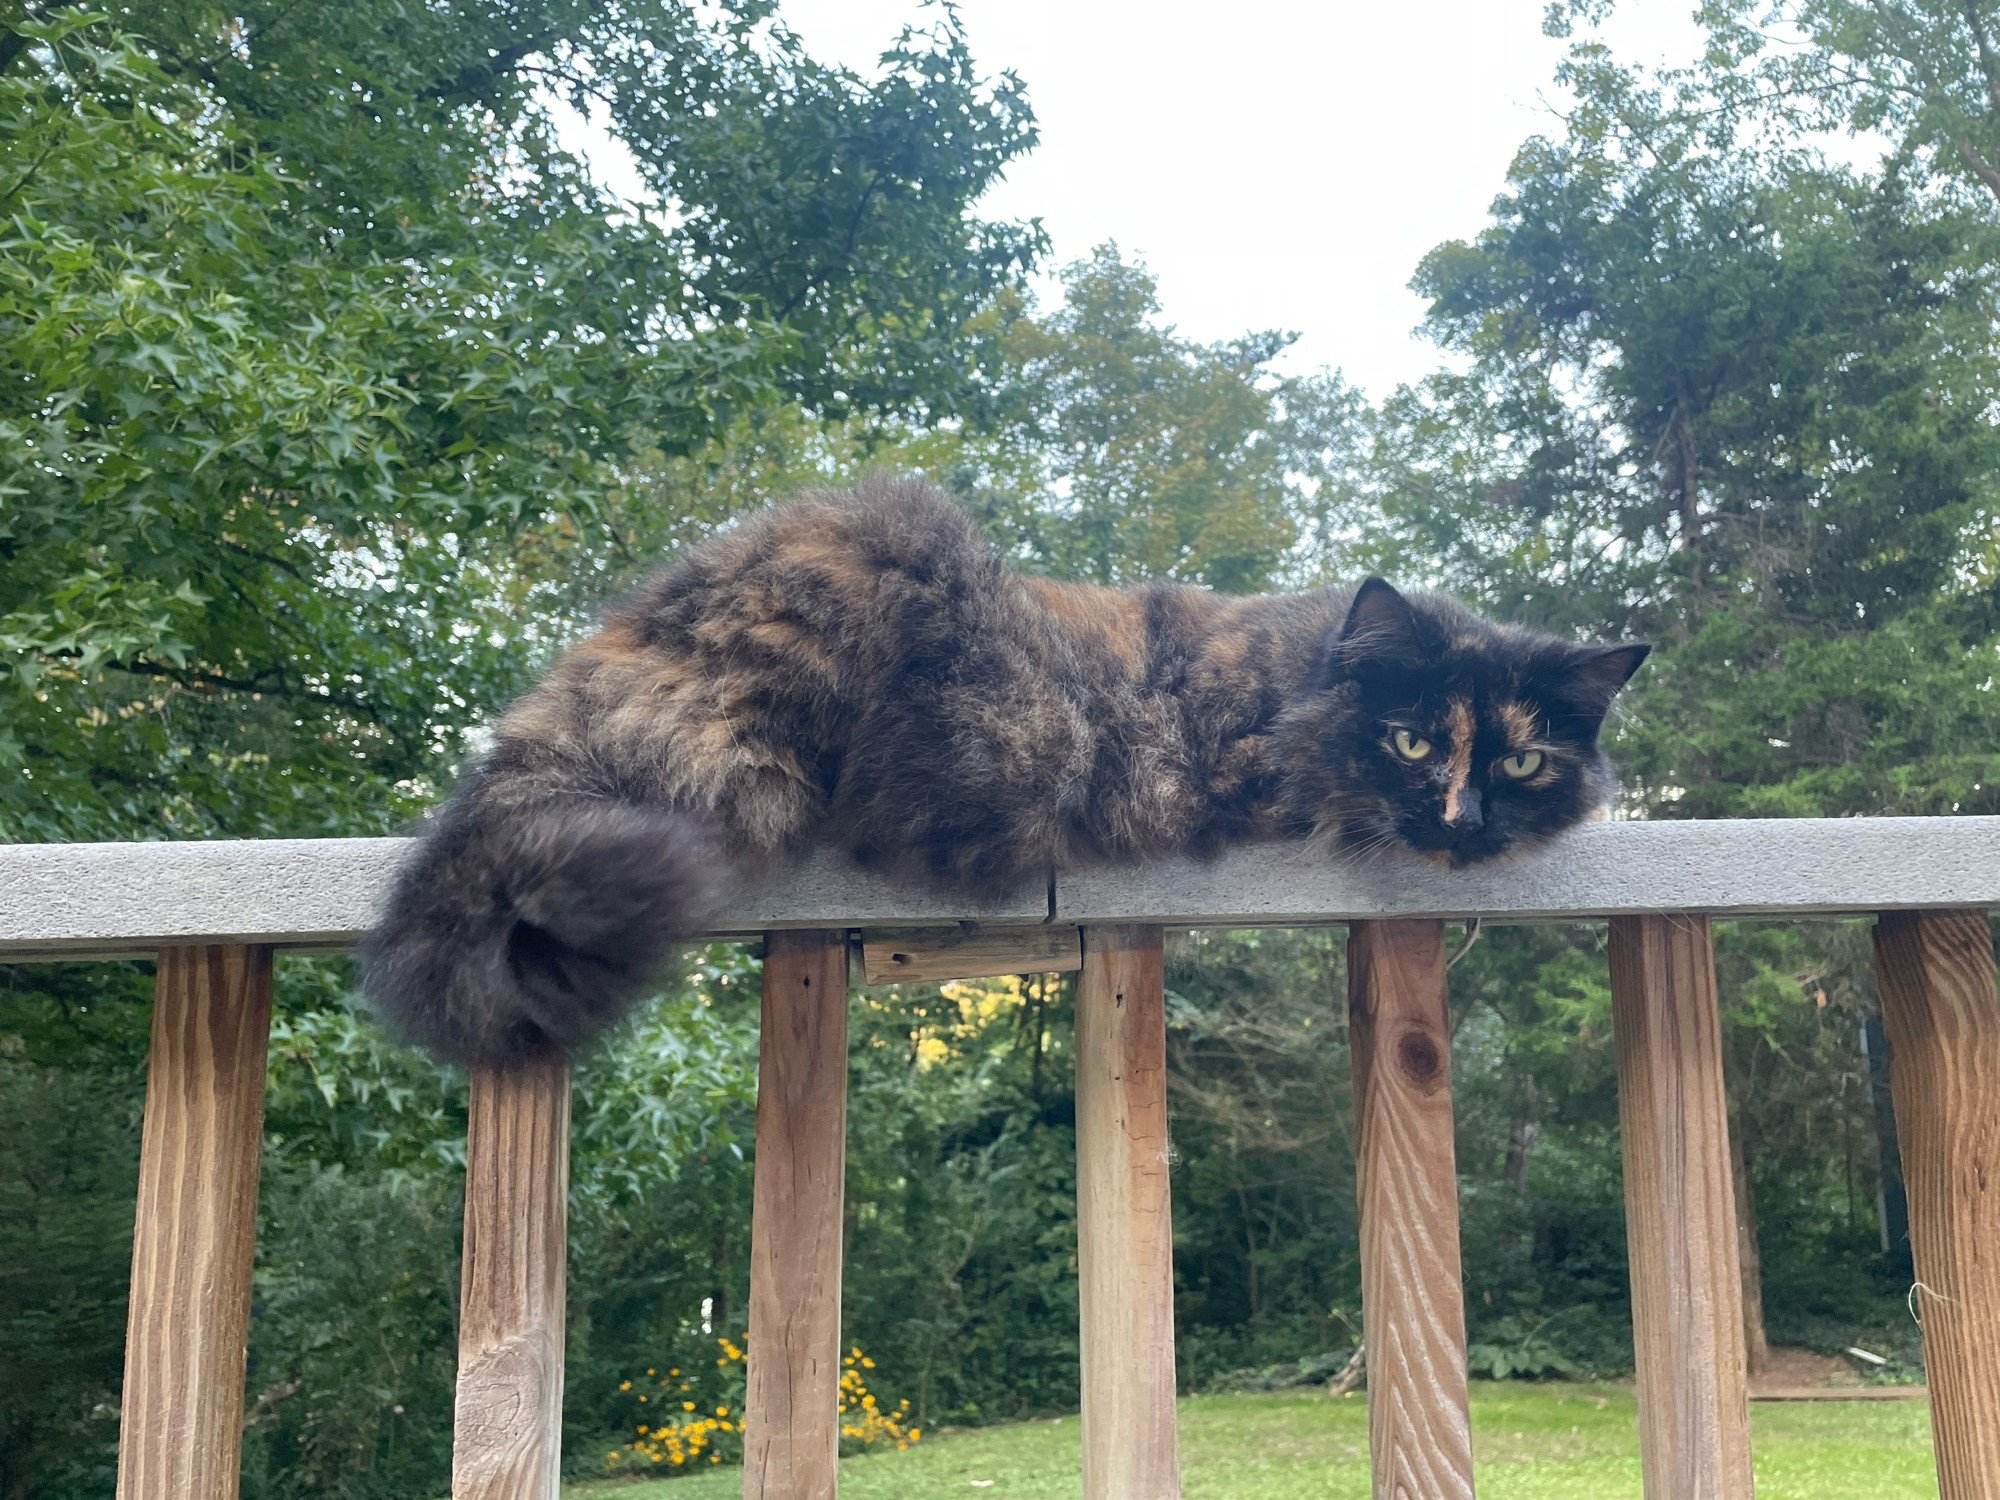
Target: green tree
[(1737, 401), (1113, 450), (1155, 457), (1922, 72), (325, 354), (72, 1058)]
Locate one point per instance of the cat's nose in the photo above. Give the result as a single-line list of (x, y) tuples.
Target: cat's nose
[(1465, 814)]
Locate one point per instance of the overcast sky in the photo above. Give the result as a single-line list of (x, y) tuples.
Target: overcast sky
[(1278, 163)]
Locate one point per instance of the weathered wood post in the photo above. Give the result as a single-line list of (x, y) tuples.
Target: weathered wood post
[(1680, 1211), (507, 1418), (1412, 1302), (181, 1429), (1124, 1218), (792, 1408), (1935, 973)]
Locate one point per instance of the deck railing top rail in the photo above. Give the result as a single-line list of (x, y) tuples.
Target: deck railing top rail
[(104, 900)]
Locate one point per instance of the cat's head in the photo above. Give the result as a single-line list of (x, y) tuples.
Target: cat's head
[(1431, 727)]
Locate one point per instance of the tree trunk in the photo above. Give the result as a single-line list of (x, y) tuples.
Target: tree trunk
[(1352, 1374), (719, 1304), (1755, 1343), (1249, 1251), (1892, 1204), (1689, 464), (1521, 1138)]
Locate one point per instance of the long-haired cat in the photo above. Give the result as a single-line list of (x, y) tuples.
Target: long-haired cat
[(862, 670)]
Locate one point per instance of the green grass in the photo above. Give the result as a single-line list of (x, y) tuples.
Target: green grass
[(1532, 1442)]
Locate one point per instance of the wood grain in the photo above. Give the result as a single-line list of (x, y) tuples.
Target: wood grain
[(195, 1235), (1124, 1218), (507, 1420), (1412, 1303), (791, 1413), (1680, 1211), (1935, 973), (933, 954)]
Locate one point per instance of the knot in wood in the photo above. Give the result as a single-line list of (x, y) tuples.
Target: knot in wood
[(507, 1395), (1420, 1060)]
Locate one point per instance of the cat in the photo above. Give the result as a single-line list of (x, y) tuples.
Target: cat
[(862, 670)]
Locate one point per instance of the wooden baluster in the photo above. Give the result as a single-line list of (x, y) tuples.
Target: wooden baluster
[(1412, 1302), (1935, 973), (1680, 1211), (507, 1421), (792, 1412), (181, 1429), (1124, 1218)]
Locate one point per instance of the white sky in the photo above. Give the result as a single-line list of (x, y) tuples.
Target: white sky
[(1278, 163)]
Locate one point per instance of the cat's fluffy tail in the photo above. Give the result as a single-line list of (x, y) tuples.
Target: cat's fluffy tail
[(519, 927)]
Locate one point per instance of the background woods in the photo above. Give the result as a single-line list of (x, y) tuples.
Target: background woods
[(338, 395)]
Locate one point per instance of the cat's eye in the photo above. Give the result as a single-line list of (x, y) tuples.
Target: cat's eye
[(1522, 766), (1411, 746)]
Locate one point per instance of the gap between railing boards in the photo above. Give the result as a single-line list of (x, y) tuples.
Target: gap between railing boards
[(214, 913)]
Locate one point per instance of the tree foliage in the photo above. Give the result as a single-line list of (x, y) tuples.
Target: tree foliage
[(324, 353), (1924, 74), (1147, 455)]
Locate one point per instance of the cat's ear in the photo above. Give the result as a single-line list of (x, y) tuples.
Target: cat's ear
[(1592, 675), (1380, 630), (1380, 626)]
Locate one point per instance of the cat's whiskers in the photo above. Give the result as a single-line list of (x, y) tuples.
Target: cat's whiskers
[(1348, 851)]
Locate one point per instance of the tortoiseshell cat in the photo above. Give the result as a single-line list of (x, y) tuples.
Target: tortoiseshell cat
[(862, 670)]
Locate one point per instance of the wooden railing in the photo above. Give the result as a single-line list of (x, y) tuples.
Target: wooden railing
[(213, 914)]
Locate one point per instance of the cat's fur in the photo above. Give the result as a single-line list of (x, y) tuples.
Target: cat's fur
[(862, 670)]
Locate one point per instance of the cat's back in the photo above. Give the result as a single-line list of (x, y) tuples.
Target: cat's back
[(889, 570)]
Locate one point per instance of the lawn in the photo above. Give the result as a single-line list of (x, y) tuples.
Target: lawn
[(1546, 1442)]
